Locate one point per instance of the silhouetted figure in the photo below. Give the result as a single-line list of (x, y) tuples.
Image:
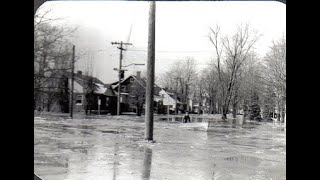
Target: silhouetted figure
[(186, 117)]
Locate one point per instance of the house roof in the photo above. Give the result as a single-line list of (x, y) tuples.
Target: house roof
[(109, 91), (171, 95), (105, 89), (101, 89), (141, 81), (83, 78)]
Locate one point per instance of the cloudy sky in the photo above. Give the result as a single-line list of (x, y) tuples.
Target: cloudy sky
[(181, 30)]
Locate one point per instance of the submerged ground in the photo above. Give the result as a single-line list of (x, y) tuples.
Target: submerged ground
[(110, 147)]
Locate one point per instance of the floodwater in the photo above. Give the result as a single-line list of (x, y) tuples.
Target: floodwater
[(114, 148)]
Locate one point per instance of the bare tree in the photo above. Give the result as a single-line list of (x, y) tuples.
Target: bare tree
[(181, 78), (249, 83), (90, 88), (200, 90), (231, 53), (276, 74), (137, 91), (52, 56), (206, 87)]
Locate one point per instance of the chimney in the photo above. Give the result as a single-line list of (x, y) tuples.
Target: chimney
[(138, 74), (79, 72)]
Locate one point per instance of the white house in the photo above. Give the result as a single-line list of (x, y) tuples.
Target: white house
[(168, 99)]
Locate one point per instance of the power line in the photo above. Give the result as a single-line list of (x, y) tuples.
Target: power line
[(168, 51), (160, 59)]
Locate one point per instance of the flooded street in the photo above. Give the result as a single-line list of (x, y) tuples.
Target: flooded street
[(114, 148)]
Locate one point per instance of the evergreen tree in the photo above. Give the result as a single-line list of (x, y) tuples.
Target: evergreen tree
[(254, 107), (63, 96), (268, 105), (90, 88)]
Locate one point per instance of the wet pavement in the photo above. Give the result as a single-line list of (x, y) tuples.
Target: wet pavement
[(110, 147)]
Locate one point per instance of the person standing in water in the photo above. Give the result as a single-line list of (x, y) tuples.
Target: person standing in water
[(186, 117)]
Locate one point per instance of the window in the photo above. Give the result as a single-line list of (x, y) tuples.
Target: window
[(79, 100)]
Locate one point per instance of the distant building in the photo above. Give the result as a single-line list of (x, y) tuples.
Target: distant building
[(168, 99), (82, 100), (133, 89)]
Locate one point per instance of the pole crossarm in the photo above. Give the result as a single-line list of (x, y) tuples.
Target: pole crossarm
[(136, 64)]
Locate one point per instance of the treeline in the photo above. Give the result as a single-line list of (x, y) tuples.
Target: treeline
[(52, 58), (236, 80)]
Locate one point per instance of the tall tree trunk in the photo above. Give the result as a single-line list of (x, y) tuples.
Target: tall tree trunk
[(285, 115), (273, 112), (278, 113), (219, 108), (213, 108), (48, 105), (210, 106), (282, 114), (244, 109), (234, 103), (224, 112), (234, 110)]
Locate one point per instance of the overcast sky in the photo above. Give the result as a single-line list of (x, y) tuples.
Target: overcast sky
[(181, 30)]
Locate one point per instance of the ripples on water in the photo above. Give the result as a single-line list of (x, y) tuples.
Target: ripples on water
[(113, 148)]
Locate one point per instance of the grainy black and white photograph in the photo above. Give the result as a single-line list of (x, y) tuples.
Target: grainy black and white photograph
[(159, 90)]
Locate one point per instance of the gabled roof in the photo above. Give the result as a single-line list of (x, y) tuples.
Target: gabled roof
[(115, 84), (141, 81), (170, 94), (105, 89), (83, 78), (109, 91)]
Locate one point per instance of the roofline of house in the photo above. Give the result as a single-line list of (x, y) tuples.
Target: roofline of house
[(116, 83), (169, 94), (133, 76)]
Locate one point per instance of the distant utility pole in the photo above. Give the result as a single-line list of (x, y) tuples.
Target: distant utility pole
[(150, 72), (187, 97), (99, 103), (176, 95), (120, 71), (72, 82)]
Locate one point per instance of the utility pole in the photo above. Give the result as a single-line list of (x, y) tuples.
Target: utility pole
[(120, 72), (150, 73), (176, 95), (99, 103), (72, 83), (187, 97)]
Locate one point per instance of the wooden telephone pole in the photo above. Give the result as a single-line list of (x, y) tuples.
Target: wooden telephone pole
[(176, 95), (150, 73), (120, 72)]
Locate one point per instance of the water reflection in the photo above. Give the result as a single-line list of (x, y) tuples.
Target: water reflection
[(233, 123), (103, 154), (246, 160), (147, 160), (116, 161)]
